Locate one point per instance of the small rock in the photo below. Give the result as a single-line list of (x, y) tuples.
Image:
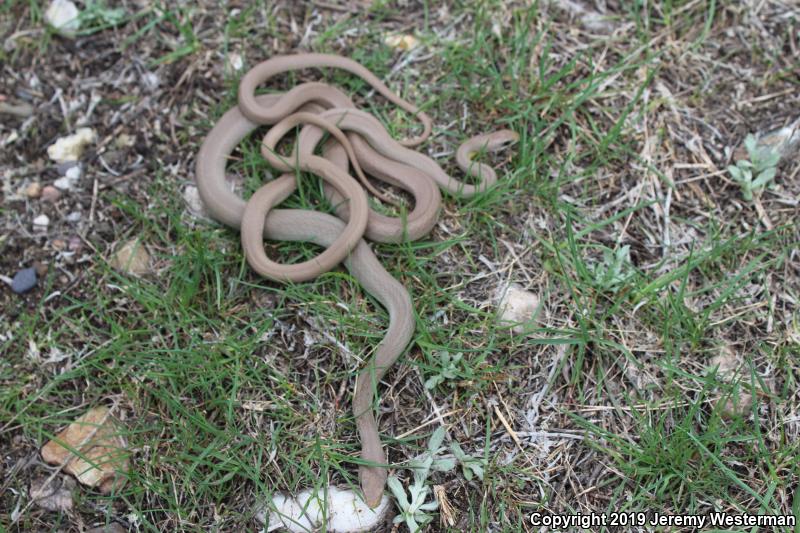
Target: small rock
[(102, 458), (233, 64), (41, 269), (24, 280), (66, 183), (41, 222), (50, 194), (34, 190), (131, 257), (52, 494), (74, 217), (194, 203), (73, 172), (151, 81), (401, 42), (75, 244), (347, 512), (63, 167), (63, 17), (71, 147), (518, 307), (59, 244)]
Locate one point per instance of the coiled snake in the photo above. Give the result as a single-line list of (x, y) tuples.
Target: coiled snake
[(357, 139)]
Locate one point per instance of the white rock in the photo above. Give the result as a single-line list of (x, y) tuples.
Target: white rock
[(62, 15), (233, 64), (518, 307), (350, 514), (75, 216), (288, 514), (151, 81), (41, 222), (347, 512), (71, 147), (65, 183), (194, 203), (73, 173)]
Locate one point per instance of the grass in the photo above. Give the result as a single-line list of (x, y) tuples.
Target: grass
[(233, 388)]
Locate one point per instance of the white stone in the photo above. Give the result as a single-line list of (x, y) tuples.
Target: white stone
[(65, 183), (194, 204), (42, 221), (151, 81), (351, 514), (62, 16), (71, 147), (288, 514), (347, 512), (518, 307), (73, 173), (75, 216), (233, 64)]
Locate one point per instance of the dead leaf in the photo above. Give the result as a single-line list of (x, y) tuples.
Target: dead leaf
[(52, 494), (726, 363), (93, 450), (736, 405), (401, 42)]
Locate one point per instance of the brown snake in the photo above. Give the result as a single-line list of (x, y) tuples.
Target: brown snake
[(357, 139)]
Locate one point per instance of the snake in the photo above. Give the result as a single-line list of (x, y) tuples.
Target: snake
[(330, 123)]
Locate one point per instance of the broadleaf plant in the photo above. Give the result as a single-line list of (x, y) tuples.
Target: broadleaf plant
[(755, 173)]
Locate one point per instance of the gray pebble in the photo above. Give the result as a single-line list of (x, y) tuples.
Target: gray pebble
[(62, 168), (24, 280)]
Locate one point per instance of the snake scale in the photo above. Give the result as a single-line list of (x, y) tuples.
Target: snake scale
[(355, 139)]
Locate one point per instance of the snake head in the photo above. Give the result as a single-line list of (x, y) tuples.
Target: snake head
[(502, 139)]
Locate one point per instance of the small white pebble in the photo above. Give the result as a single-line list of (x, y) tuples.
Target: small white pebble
[(71, 147), (151, 81), (41, 222), (194, 203), (75, 216), (65, 183), (73, 173), (63, 17), (233, 64), (518, 307)]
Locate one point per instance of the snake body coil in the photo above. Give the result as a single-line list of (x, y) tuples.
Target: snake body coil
[(357, 139)]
